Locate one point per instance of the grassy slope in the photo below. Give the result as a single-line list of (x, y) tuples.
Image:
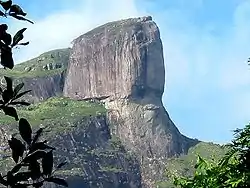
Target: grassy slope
[(56, 111), (34, 67)]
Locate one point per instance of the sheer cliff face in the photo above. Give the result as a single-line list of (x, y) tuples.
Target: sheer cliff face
[(122, 64), (117, 60), (44, 87)]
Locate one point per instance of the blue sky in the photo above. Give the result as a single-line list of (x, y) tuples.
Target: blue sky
[(206, 46)]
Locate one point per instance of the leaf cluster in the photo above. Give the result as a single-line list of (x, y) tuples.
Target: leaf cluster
[(10, 97), (8, 42), (33, 157)]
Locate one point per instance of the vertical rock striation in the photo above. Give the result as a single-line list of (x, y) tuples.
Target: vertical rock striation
[(122, 64), (117, 60), (43, 87)]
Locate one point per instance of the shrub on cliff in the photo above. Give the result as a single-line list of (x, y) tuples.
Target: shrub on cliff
[(32, 156)]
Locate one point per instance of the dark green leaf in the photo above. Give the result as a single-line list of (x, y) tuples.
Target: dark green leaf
[(16, 168), (61, 165), (40, 146), (37, 135), (10, 111), (19, 186), (16, 9), (9, 83), (38, 184), (15, 156), (17, 148), (10, 179), (7, 95), (47, 163), (6, 58), (6, 4), (7, 38), (58, 181), (3, 27), (22, 176), (35, 156), (14, 143), (18, 88), (34, 167), (2, 180), (20, 103), (24, 43), (25, 130), (2, 13), (21, 94), (20, 18), (18, 37)]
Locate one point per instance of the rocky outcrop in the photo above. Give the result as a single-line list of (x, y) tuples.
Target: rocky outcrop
[(117, 60), (43, 87), (44, 75), (121, 63), (147, 129), (94, 158)]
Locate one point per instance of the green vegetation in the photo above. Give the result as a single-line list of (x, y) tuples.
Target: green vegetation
[(184, 165), (231, 171), (49, 63), (70, 172), (111, 169), (57, 112), (116, 143)]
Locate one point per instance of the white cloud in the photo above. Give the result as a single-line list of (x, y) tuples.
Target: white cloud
[(235, 76), (201, 64), (60, 28)]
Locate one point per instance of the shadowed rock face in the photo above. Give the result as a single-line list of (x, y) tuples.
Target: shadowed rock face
[(44, 87), (122, 64)]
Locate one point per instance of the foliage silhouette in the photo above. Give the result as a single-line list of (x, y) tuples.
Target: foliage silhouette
[(32, 156)]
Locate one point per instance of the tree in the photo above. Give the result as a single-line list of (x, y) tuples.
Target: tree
[(232, 171), (32, 156)]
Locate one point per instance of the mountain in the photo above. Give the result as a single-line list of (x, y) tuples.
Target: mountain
[(102, 101), (121, 63)]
